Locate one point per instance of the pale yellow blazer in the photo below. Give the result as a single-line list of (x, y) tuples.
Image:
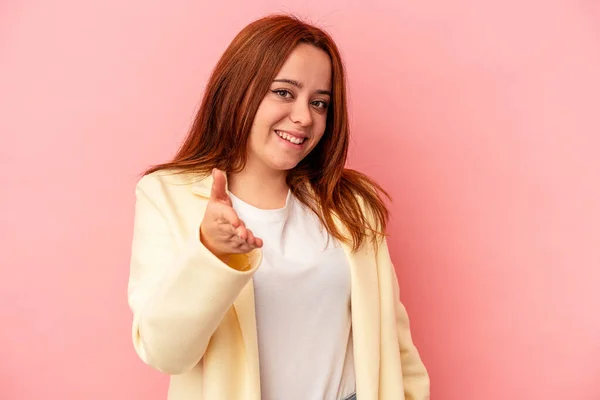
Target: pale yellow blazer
[(193, 316)]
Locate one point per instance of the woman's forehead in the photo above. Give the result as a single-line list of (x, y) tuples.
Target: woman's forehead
[(307, 67)]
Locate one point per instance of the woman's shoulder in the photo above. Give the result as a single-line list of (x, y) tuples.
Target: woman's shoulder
[(169, 180)]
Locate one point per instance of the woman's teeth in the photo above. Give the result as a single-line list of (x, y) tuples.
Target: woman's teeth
[(289, 138)]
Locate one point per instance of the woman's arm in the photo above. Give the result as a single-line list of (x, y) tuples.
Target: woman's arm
[(414, 374), (178, 295)]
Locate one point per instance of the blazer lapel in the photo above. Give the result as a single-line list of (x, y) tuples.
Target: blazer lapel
[(364, 299), (246, 313)]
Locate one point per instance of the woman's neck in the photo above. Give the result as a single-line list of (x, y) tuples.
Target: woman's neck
[(266, 190)]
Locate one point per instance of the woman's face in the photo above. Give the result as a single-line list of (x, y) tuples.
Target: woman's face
[(291, 118)]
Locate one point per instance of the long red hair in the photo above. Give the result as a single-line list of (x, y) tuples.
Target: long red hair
[(219, 134)]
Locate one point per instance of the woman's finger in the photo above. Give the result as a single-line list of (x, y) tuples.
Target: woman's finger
[(242, 232), (251, 240), (245, 248), (228, 215)]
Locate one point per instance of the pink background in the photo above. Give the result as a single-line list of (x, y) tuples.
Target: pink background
[(481, 120)]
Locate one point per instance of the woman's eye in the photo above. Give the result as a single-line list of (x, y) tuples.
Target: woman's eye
[(320, 104), (282, 93)]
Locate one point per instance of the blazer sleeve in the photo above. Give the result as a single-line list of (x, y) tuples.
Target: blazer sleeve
[(414, 373), (178, 294)]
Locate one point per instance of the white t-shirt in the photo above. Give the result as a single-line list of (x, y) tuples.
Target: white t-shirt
[(302, 295)]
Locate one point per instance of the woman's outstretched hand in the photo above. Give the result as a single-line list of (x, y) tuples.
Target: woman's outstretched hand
[(221, 230)]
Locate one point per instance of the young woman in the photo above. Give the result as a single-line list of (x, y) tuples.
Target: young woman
[(259, 265)]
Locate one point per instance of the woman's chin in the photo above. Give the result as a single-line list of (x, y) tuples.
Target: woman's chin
[(284, 165)]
